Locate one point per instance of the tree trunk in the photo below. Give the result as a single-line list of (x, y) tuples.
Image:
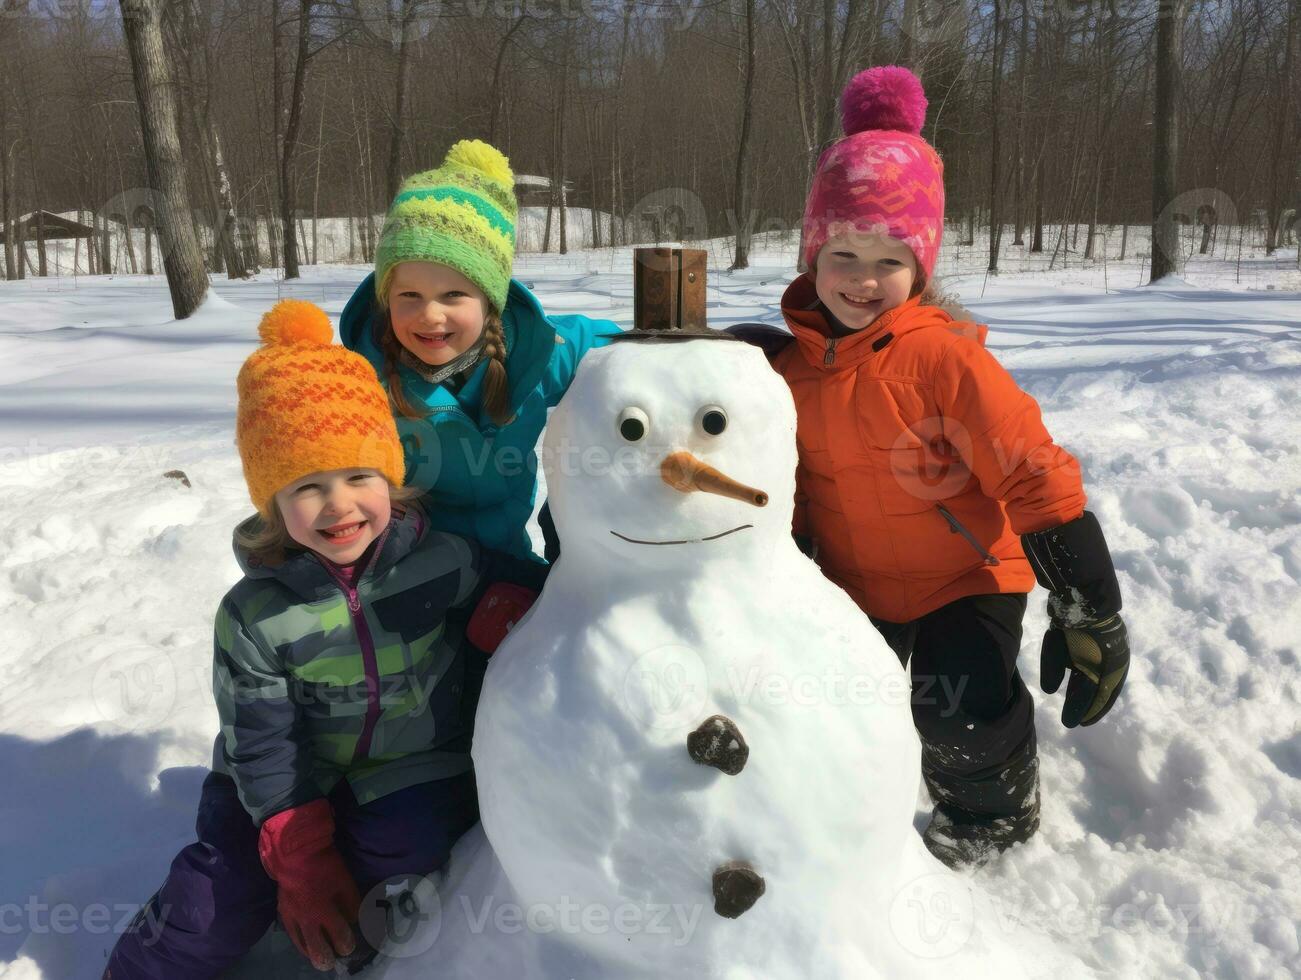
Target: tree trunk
[(1165, 134), (227, 251), (7, 212), (288, 191), (393, 178), (617, 216), (316, 192), (182, 258), (233, 230), (741, 255), (996, 84), (562, 148), (494, 92), (593, 211), (1018, 153), (1283, 147), (42, 263), (551, 203), (106, 243), (1037, 241), (1093, 215), (24, 263)]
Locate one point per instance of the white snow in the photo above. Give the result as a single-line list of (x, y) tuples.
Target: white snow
[(1169, 839)]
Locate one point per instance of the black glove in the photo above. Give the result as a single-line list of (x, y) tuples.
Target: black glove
[(1087, 634)]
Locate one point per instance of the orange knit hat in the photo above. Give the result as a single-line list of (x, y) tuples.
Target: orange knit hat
[(307, 405)]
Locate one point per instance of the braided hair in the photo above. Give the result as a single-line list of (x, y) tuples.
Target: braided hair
[(496, 390)]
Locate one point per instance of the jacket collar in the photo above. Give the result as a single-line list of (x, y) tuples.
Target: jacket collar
[(808, 324), (307, 576), (530, 341)]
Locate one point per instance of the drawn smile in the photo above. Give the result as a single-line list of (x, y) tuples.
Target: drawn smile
[(712, 537)]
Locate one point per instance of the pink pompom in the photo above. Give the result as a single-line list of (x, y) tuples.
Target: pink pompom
[(888, 97)]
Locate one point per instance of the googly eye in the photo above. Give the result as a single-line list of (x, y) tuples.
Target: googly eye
[(633, 424), (711, 420)]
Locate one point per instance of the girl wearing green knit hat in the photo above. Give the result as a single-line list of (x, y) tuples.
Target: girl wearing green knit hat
[(470, 360)]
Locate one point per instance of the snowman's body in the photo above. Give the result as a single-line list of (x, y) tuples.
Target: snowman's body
[(666, 608)]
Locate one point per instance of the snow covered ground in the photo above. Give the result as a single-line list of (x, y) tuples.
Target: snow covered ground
[(1170, 834)]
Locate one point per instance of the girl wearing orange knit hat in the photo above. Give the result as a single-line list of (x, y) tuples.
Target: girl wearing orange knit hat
[(347, 664), (928, 487)]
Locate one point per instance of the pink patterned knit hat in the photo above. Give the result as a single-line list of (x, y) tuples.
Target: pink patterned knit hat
[(882, 178)]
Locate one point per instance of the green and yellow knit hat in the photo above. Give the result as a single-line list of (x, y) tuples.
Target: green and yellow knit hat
[(461, 214)]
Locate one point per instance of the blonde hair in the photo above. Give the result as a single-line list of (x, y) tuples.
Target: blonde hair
[(267, 537), (496, 388)]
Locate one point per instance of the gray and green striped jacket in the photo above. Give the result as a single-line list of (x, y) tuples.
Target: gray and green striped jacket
[(316, 681)]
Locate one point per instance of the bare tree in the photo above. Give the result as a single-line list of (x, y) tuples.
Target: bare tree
[(406, 27), (744, 224), (182, 259), (995, 149), (289, 145), (1165, 134), (188, 33)]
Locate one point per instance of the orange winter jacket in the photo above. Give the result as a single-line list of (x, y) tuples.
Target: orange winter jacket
[(920, 460)]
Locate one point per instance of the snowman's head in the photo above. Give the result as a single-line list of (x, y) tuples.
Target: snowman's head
[(664, 454)]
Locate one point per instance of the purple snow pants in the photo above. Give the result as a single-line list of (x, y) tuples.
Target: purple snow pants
[(217, 901)]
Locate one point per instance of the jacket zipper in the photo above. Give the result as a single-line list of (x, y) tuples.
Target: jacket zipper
[(956, 527), (367, 643), (829, 358)]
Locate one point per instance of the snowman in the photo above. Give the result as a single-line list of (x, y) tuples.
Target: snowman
[(695, 755)]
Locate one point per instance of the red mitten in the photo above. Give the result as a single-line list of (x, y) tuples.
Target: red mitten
[(317, 899), (501, 607)]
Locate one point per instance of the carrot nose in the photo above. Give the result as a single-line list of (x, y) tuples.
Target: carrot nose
[(684, 472)]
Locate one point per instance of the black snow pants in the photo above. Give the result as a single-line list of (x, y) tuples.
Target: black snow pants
[(971, 708)]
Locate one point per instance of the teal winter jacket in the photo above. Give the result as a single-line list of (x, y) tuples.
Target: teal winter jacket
[(480, 478)]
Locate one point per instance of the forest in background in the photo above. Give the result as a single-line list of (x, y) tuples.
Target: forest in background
[(707, 114)]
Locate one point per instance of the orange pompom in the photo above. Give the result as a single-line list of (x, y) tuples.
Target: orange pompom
[(296, 321)]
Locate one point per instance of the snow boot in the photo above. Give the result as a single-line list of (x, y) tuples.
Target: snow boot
[(962, 839)]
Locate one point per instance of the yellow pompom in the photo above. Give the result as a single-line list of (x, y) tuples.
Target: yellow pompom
[(296, 321), (478, 155)]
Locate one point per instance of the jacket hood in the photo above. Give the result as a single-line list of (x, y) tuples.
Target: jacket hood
[(808, 324), (305, 574), (530, 341)]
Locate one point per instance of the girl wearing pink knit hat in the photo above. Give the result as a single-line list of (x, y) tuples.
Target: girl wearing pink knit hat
[(928, 487)]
